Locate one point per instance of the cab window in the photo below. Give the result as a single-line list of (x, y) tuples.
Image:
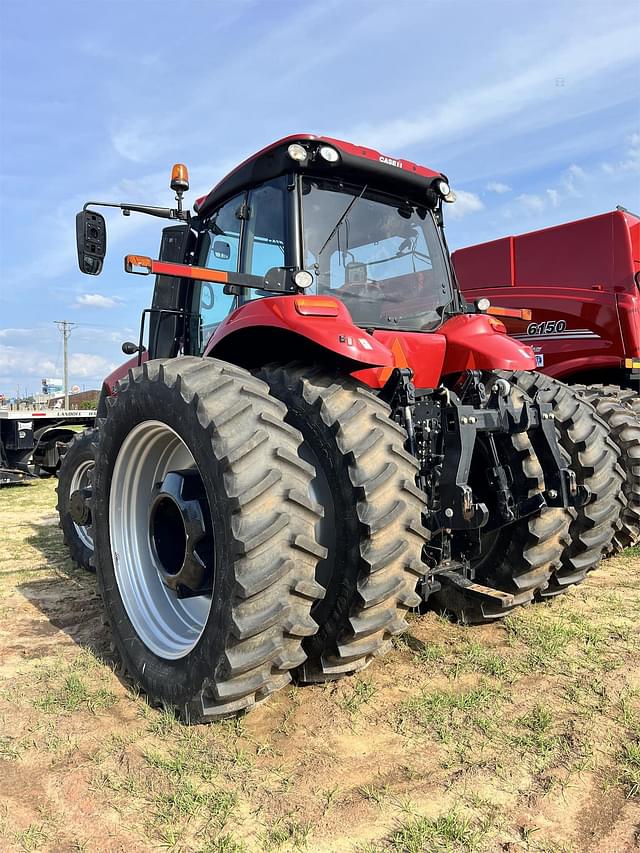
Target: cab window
[(219, 249), (265, 230)]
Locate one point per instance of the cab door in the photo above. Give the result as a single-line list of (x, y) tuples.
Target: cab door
[(218, 248)]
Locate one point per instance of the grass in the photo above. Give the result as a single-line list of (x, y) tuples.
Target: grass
[(33, 837), (286, 832), (629, 758), (448, 832), (441, 746), (361, 694)]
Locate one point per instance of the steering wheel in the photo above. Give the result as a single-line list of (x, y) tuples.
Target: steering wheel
[(207, 291)]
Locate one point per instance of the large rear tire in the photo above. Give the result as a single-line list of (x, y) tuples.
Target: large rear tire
[(204, 536), (593, 456), (520, 558), (74, 475), (372, 524), (613, 405)]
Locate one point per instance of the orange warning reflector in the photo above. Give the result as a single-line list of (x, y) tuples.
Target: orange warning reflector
[(141, 265), (517, 313), (138, 264), (316, 307), (399, 357)]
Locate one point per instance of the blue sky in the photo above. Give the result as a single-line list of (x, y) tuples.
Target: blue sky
[(531, 108)]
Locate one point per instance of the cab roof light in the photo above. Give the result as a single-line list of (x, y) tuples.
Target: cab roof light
[(329, 154), (297, 152)]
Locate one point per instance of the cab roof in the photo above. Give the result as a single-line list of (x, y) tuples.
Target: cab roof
[(355, 163)]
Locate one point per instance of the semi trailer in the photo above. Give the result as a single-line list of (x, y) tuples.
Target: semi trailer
[(33, 441)]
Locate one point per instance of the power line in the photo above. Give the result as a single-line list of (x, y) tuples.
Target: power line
[(65, 327)]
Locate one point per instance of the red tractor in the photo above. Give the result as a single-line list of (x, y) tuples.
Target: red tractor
[(580, 285), (318, 434)]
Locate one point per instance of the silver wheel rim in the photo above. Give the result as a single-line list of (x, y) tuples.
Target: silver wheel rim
[(169, 626), (80, 480)]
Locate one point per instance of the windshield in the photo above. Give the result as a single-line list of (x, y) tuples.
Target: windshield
[(383, 258)]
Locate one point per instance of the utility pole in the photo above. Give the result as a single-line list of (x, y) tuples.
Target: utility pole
[(65, 328)]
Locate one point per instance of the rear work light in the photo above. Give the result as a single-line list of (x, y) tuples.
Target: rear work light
[(329, 154), (297, 152), (303, 279)]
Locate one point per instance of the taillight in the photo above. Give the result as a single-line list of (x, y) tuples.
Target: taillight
[(316, 307), (498, 325)]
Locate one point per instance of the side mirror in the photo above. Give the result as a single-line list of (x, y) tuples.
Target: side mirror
[(91, 241)]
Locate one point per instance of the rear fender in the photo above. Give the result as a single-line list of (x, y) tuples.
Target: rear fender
[(474, 343), (294, 327), (110, 382)]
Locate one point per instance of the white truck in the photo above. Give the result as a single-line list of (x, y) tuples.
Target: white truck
[(32, 441)]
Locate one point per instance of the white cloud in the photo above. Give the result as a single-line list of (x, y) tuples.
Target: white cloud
[(631, 159), (498, 187), (17, 361), (137, 141), (83, 365), (464, 204), (97, 300), (15, 333), (554, 197), (569, 185), (579, 60), (531, 202)]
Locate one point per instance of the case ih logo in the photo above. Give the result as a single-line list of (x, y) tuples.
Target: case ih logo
[(391, 162)]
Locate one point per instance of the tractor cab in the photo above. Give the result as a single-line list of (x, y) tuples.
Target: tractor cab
[(347, 222), (306, 215)]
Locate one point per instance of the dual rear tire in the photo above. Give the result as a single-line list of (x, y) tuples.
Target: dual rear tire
[(591, 453), (248, 528)]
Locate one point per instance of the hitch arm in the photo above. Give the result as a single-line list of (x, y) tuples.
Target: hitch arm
[(562, 488)]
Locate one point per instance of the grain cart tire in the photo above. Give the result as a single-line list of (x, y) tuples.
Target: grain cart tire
[(614, 407), (74, 475), (365, 482), (520, 558), (204, 536), (593, 456)]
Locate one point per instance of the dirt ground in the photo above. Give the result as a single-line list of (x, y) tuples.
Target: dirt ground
[(519, 736)]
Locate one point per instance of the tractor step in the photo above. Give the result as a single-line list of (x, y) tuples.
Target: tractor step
[(469, 601)]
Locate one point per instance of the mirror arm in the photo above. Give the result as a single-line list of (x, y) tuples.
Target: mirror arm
[(162, 212)]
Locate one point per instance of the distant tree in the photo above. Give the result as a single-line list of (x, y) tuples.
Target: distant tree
[(89, 404)]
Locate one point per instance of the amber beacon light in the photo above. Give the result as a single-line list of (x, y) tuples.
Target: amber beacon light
[(179, 178)]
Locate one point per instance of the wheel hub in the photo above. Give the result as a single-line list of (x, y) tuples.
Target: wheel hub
[(79, 507), (180, 541)]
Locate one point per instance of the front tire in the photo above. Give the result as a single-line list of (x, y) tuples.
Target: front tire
[(204, 536)]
